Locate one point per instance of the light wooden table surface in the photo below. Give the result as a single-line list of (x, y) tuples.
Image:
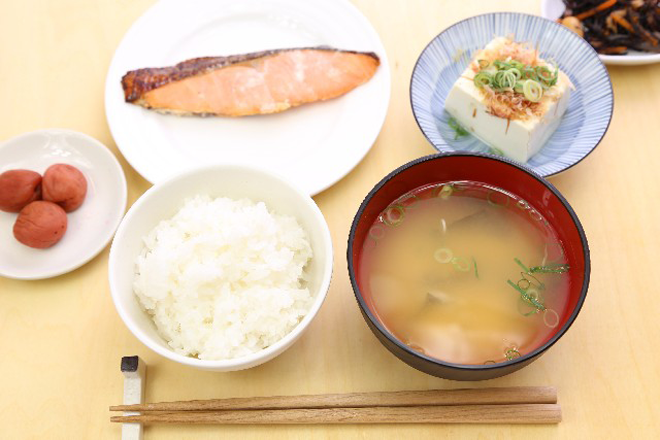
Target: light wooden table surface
[(61, 340)]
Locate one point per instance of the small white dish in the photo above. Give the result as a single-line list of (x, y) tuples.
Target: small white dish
[(553, 9), (315, 144), (163, 200), (90, 227)]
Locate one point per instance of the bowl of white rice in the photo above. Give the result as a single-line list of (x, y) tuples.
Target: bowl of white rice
[(221, 268)]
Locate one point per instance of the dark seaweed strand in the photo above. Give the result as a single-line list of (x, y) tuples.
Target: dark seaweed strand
[(138, 82)]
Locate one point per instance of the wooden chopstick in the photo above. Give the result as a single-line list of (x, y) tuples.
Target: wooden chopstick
[(477, 396), (512, 414)]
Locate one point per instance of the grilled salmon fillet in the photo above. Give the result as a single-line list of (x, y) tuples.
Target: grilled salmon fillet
[(249, 84)]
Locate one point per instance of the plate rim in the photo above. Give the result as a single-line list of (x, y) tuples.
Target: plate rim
[(529, 16), (313, 190), (122, 191), (613, 60)]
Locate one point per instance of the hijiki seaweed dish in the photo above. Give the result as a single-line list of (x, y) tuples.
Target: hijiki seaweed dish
[(613, 27)]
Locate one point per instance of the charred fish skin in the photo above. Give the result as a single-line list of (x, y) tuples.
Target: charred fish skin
[(138, 83)]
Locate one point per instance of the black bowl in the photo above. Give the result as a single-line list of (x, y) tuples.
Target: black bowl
[(501, 173)]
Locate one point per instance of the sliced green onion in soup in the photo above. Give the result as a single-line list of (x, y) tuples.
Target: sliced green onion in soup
[(559, 268), (461, 264), (512, 353), (519, 263), (394, 215), (377, 232), (525, 308), (446, 191), (529, 278), (526, 297), (492, 199), (550, 318), (443, 255), (524, 284)]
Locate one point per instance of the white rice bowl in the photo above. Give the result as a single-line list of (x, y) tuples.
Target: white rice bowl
[(224, 278)]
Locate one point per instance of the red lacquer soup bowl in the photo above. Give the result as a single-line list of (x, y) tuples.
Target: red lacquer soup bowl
[(494, 171)]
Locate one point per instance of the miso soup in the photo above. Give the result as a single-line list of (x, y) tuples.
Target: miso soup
[(466, 273)]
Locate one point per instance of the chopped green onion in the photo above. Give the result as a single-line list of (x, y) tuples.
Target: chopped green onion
[(538, 284), (532, 91), (518, 87), (560, 268), (528, 73), (502, 65), (391, 220), (525, 283), (458, 130), (554, 318), (512, 353), (546, 76), (476, 270), (515, 72), (460, 264), (446, 191), (525, 308), (505, 79), (526, 296), (513, 75), (516, 64), (443, 255), (525, 268), (482, 79)]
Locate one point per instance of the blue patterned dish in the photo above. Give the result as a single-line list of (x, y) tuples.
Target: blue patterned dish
[(442, 61)]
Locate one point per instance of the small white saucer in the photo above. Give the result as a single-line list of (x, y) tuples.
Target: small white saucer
[(90, 227)]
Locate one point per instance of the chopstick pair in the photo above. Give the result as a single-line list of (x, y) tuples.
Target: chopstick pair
[(529, 405)]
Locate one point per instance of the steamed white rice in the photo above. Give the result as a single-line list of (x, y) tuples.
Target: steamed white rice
[(224, 278)]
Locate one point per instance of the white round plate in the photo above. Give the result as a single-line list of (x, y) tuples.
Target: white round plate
[(90, 227), (553, 9), (314, 145)]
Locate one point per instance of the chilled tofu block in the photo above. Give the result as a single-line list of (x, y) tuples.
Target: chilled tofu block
[(518, 134)]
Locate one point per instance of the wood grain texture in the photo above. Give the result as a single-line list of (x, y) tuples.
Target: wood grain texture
[(62, 341), (483, 414), (464, 396)]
